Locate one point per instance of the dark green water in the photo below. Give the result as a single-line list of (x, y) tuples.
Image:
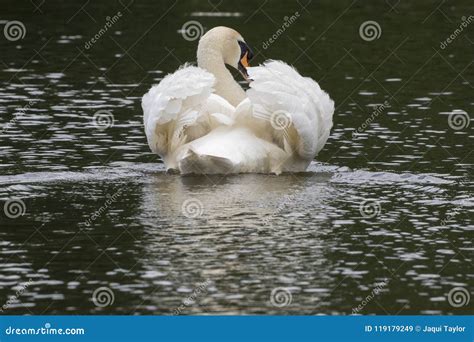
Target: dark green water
[(98, 210)]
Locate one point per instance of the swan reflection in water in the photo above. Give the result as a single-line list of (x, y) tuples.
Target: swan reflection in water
[(218, 199), (243, 234)]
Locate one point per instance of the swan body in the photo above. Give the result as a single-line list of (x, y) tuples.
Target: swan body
[(199, 119)]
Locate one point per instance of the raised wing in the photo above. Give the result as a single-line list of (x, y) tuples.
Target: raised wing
[(179, 108), (296, 111)]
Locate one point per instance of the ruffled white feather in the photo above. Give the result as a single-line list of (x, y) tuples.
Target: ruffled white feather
[(297, 111), (281, 126)]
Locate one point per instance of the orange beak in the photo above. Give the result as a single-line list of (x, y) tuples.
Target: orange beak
[(243, 65), (244, 60)]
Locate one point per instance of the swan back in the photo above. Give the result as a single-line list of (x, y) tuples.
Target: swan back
[(296, 111)]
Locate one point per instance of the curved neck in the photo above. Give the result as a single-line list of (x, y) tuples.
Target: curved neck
[(212, 61)]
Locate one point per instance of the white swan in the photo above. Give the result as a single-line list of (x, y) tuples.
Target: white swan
[(199, 119)]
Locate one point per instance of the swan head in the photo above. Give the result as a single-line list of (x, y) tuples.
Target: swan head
[(228, 45)]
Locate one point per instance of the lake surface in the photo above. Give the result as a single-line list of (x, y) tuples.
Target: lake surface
[(382, 222)]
